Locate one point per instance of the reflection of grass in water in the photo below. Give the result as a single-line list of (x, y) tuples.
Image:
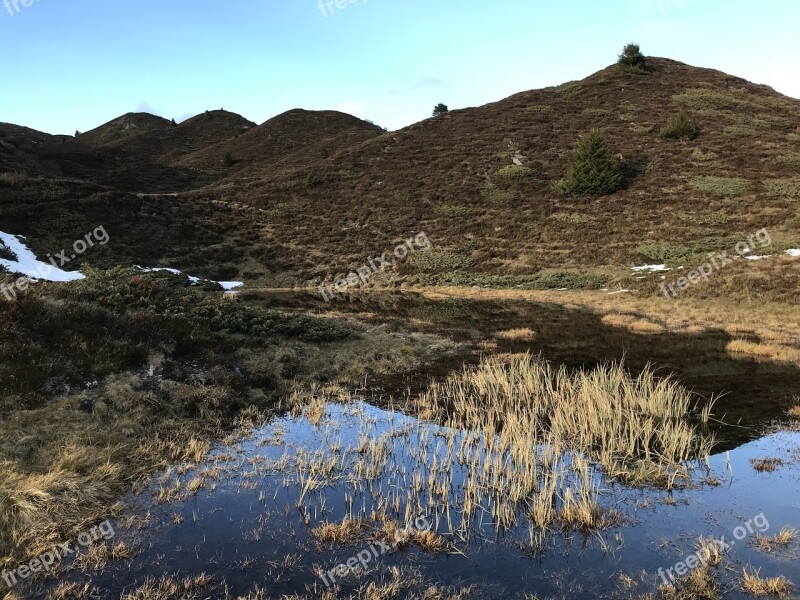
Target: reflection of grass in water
[(523, 442)]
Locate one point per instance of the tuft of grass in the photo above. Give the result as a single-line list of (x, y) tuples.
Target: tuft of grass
[(697, 585), (635, 428), (788, 188), (721, 186), (520, 334), (680, 126), (349, 531), (772, 586), (766, 465), (783, 539)]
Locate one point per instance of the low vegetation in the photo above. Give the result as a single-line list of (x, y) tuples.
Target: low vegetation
[(721, 186), (680, 126)]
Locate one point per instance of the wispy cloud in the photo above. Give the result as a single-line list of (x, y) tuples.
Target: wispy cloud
[(418, 84)]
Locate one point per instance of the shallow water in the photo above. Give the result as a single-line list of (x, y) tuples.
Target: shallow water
[(256, 508), (241, 531)]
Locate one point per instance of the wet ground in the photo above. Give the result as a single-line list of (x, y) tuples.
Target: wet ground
[(247, 516)]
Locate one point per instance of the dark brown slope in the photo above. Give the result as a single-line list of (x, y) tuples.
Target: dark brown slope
[(163, 140), (310, 135), (444, 176)]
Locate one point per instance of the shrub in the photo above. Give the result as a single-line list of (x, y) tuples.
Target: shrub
[(721, 186), (438, 262), (593, 171), (680, 126), (228, 160), (663, 253), (494, 194), (539, 109), (514, 172), (440, 109), (573, 218), (632, 58), (452, 211), (313, 180)]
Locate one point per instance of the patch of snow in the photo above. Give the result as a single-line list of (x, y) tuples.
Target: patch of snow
[(651, 268), (757, 257), (27, 264), (618, 292), (793, 252), (226, 285)]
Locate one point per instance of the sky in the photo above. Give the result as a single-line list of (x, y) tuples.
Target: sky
[(76, 64)]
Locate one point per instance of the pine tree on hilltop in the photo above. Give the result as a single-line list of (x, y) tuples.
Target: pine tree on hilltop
[(593, 171), (633, 58)]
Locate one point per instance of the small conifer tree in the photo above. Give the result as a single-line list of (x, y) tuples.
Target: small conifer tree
[(594, 171)]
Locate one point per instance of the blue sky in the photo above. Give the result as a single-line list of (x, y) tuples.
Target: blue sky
[(76, 64)]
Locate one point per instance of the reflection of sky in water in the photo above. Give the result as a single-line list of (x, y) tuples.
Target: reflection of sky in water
[(241, 530)]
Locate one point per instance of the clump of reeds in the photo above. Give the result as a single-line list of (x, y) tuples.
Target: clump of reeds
[(771, 586)]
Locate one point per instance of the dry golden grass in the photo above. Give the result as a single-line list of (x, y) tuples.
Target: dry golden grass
[(168, 588), (349, 531), (772, 586), (710, 550), (775, 352), (72, 591), (520, 334), (766, 465), (794, 412), (697, 585), (783, 539), (634, 324)]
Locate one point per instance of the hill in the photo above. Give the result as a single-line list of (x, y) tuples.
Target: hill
[(492, 222)]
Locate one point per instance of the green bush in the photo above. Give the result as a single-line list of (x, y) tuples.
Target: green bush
[(496, 195), (313, 180), (632, 58), (440, 109), (514, 172), (721, 186), (228, 160), (680, 126), (438, 262), (663, 253), (593, 171), (573, 218), (453, 211)]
